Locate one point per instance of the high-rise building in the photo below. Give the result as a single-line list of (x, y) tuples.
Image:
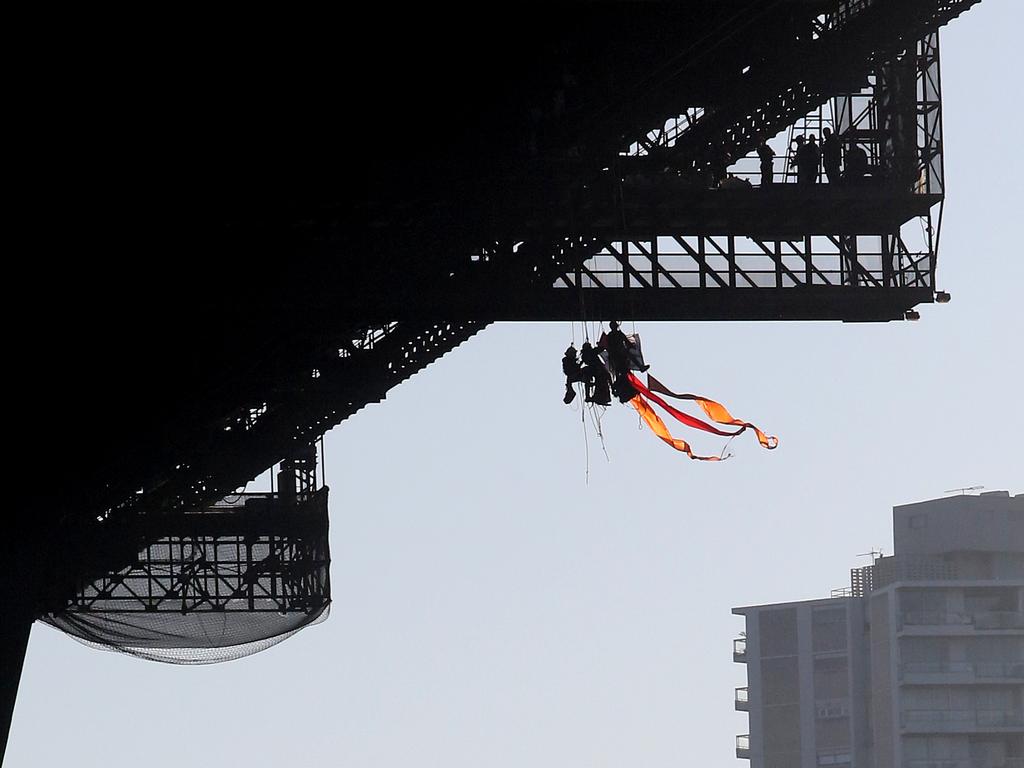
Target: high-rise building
[(919, 664)]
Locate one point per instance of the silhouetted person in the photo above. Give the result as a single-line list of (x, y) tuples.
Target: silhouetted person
[(796, 154), (856, 164), (618, 350), (573, 372), (598, 389), (813, 160), (831, 155), (767, 155), (808, 158)]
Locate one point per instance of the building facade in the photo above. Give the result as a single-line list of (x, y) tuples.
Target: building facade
[(920, 664)]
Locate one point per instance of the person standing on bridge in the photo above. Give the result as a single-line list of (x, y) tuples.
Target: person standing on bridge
[(831, 155), (796, 156), (856, 164), (808, 159), (767, 155)]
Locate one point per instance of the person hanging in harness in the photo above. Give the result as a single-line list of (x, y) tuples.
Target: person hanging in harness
[(618, 350), (573, 373), (596, 376), (623, 355)]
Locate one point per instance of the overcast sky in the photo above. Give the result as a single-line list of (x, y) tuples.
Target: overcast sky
[(492, 609)]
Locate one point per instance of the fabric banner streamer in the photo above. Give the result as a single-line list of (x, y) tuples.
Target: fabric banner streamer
[(715, 411), (684, 418), (615, 358), (658, 427)]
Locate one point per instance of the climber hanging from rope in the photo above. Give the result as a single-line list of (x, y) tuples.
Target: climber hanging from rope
[(614, 360), (596, 377), (573, 373), (623, 355)]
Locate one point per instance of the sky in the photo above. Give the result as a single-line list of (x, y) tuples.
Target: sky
[(502, 599)]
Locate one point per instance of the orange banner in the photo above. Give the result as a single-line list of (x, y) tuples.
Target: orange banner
[(715, 411), (683, 418), (658, 427)]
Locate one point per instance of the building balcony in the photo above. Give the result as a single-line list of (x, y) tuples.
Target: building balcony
[(961, 672), (743, 747), (959, 623), (742, 701), (961, 721), (739, 650)]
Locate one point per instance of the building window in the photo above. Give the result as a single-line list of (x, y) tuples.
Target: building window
[(828, 628), (780, 678), (778, 632), (831, 679)]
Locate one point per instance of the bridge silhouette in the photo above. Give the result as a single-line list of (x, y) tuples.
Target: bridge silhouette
[(302, 265)]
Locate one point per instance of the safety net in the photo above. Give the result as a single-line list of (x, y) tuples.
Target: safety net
[(213, 585)]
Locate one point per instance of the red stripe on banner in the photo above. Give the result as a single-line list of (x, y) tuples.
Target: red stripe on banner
[(685, 418), (715, 411)]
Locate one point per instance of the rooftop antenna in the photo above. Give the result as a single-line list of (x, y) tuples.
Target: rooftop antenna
[(963, 491), (874, 554)]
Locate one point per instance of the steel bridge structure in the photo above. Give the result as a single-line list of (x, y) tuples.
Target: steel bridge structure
[(616, 184)]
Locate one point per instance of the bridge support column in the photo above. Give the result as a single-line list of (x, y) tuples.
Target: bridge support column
[(14, 632)]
